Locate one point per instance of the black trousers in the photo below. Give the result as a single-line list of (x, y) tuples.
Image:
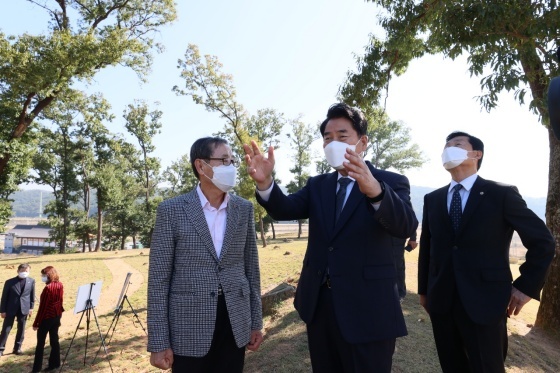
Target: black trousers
[(7, 327), (50, 327), (330, 353), (466, 347), (224, 355)]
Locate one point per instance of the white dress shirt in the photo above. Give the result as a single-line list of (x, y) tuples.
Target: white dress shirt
[(464, 192), (215, 218)]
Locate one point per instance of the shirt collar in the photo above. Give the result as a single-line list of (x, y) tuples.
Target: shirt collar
[(204, 201), (340, 177), (466, 183)]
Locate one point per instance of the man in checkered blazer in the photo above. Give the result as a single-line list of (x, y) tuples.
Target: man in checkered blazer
[(204, 304)]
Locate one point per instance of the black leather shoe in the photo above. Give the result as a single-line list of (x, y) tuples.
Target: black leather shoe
[(18, 352), (51, 369)]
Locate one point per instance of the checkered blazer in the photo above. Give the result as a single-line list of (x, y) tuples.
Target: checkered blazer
[(185, 272)]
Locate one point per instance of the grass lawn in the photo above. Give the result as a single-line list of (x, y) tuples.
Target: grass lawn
[(285, 345)]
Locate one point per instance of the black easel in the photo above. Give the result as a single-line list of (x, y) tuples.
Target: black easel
[(118, 312), (89, 309)]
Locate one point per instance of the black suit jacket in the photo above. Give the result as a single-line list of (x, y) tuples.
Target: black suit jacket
[(357, 251), (13, 299), (475, 261)]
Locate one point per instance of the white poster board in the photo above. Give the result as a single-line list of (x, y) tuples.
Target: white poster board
[(85, 292)]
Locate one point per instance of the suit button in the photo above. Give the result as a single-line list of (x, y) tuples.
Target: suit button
[(220, 269), (455, 248), (212, 294), (331, 248)]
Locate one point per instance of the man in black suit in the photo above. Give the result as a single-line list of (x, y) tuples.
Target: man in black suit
[(18, 299), (464, 277), (399, 246), (347, 292)]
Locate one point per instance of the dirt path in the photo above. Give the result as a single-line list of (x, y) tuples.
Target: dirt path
[(107, 303)]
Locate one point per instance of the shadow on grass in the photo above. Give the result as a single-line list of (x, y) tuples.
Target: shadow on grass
[(536, 351), (284, 349)]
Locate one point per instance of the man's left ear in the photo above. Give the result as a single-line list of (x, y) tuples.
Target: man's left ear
[(363, 142)]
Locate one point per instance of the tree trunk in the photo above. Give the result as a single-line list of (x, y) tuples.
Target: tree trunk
[(299, 228), (263, 237), (99, 222), (548, 316)]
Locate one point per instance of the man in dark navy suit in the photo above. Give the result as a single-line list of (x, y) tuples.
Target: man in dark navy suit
[(347, 292), (18, 299), (464, 277)]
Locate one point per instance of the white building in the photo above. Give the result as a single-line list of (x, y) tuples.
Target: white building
[(31, 239)]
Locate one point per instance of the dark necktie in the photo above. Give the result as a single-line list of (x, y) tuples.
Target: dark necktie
[(341, 194), (455, 209)]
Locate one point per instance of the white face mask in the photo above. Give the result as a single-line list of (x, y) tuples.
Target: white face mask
[(453, 157), (334, 152), (225, 177), (23, 274), (44, 278)]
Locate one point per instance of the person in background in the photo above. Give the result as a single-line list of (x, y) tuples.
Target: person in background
[(464, 277), (18, 299), (204, 297), (399, 246), (47, 320)]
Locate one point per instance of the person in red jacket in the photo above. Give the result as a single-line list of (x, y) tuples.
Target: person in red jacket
[(47, 320)]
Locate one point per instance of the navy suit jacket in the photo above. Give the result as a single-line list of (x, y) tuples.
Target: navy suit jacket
[(357, 250), (474, 262), (14, 300)]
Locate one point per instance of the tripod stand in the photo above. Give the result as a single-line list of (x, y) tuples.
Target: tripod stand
[(88, 310), (118, 312)]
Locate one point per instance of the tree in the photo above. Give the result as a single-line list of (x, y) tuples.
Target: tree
[(83, 38), (301, 137), (54, 164), (510, 46), (207, 85), (180, 178), (144, 125), (390, 143)]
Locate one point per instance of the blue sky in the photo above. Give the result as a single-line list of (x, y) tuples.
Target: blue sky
[(292, 56)]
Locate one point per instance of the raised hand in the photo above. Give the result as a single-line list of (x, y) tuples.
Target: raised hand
[(259, 167), (359, 171)]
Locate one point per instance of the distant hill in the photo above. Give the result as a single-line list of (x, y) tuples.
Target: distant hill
[(30, 203), (26, 202), (417, 193)]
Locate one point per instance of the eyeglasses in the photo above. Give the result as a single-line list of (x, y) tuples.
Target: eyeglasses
[(226, 161)]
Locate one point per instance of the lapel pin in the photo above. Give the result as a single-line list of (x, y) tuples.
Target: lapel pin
[(481, 193)]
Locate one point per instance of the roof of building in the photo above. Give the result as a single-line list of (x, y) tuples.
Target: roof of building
[(30, 231)]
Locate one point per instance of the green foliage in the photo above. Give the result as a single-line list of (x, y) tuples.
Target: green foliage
[(180, 178), (511, 47), (82, 38), (390, 143)]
